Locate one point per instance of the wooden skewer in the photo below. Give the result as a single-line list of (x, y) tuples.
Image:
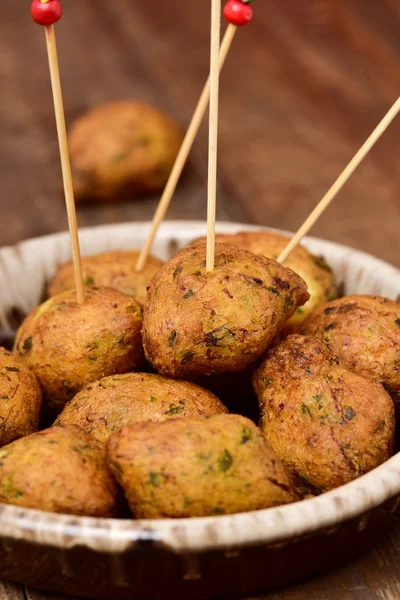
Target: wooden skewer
[(184, 151), (213, 132), (65, 160), (340, 182)]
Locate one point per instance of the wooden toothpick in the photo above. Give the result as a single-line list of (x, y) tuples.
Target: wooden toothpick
[(47, 12), (184, 151), (238, 14), (65, 162), (340, 182), (213, 132)]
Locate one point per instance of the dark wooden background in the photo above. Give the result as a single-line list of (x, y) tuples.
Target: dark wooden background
[(303, 87)]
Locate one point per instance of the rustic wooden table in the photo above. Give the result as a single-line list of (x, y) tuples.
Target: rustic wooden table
[(304, 86)]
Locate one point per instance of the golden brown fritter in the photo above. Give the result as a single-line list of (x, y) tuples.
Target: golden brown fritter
[(197, 467), (200, 323), (364, 332), (60, 470), (122, 148), (20, 398), (115, 269), (328, 425), (68, 345), (313, 269), (107, 405)]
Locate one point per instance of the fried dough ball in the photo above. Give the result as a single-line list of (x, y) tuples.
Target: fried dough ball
[(364, 332), (313, 269), (60, 470), (328, 425), (197, 467), (201, 323), (107, 405), (122, 148), (115, 269), (68, 345), (20, 398)]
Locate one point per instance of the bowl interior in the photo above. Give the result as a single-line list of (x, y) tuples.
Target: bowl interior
[(26, 267), (24, 271)]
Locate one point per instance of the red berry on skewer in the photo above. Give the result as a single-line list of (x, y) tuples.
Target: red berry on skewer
[(46, 12), (238, 13)]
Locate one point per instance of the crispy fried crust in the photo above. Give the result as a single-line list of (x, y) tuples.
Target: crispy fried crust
[(327, 424), (60, 470), (197, 467), (364, 332), (313, 269), (122, 148), (20, 398), (68, 345), (115, 269), (113, 402), (199, 323)]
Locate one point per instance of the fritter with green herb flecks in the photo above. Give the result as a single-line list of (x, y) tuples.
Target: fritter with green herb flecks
[(328, 425), (107, 405), (60, 470), (313, 269), (364, 332), (122, 148), (20, 398), (200, 323), (115, 269), (197, 467), (68, 345)]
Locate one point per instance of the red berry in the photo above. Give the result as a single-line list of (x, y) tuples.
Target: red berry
[(238, 13), (46, 12)]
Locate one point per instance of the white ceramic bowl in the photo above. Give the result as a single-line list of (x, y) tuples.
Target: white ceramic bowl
[(178, 558)]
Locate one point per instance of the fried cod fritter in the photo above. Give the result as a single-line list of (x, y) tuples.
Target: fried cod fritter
[(20, 399), (197, 467), (364, 332), (200, 323), (122, 148), (68, 345), (327, 425), (113, 402), (115, 269), (313, 269), (60, 470)]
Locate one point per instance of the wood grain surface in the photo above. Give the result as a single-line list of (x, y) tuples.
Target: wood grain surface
[(304, 86)]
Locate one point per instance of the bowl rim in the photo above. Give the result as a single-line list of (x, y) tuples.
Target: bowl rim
[(268, 526)]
